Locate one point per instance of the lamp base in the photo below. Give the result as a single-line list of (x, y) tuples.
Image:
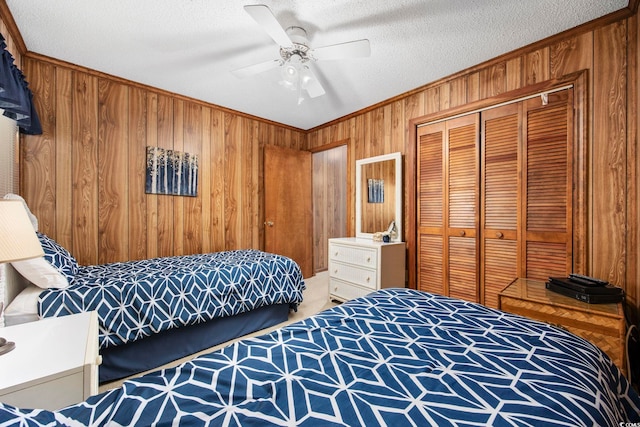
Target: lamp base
[(6, 346)]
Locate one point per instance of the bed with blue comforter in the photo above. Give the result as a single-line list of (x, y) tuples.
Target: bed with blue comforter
[(397, 357), (137, 299), (167, 308)]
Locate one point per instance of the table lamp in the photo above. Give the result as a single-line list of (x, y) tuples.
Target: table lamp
[(18, 241)]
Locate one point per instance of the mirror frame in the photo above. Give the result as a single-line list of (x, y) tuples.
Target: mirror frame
[(397, 157)]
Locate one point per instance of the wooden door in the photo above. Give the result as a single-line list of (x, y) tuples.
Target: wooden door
[(526, 194), (288, 206), (461, 203), (448, 207), (500, 202), (547, 187), (430, 171)]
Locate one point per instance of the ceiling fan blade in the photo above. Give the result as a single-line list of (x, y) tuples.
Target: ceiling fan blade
[(354, 49), (256, 68), (311, 83), (264, 17)]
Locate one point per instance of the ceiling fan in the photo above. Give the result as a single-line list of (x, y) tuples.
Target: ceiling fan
[(296, 55)]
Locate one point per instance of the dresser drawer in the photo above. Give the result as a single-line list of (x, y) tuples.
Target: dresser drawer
[(346, 291), (366, 257), (354, 274)]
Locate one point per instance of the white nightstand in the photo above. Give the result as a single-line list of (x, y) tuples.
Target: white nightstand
[(55, 362)]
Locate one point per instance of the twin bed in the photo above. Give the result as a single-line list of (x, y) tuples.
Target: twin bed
[(162, 308), (395, 357)]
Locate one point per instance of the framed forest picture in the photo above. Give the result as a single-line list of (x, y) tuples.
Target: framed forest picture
[(171, 172)]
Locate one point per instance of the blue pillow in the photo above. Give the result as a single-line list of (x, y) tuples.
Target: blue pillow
[(59, 257)]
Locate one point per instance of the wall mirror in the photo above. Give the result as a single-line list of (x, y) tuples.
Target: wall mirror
[(379, 195)]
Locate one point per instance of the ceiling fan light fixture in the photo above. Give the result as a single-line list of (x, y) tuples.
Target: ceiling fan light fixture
[(290, 72), (305, 76), (296, 54)]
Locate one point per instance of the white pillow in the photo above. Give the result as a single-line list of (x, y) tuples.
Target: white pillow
[(24, 307), (41, 273)]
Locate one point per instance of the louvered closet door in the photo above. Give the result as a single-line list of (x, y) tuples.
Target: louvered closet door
[(548, 171), (431, 267), (500, 199), (448, 207), (487, 218), (461, 204)]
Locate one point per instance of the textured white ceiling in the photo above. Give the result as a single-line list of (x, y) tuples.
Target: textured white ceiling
[(189, 47)]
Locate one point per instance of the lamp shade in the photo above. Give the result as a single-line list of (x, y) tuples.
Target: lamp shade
[(18, 240)]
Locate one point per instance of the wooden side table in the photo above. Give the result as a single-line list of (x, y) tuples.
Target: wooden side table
[(601, 324), (54, 364)]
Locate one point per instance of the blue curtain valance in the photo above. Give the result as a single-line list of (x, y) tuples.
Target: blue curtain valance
[(16, 98)]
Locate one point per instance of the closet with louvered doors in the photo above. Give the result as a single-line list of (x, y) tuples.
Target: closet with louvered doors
[(495, 197), (448, 207)]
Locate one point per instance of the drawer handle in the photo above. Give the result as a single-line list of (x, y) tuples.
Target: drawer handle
[(336, 254), (368, 279), (335, 271), (462, 233), (368, 259), (499, 235)]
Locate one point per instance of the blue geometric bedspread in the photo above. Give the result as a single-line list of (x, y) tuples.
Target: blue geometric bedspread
[(397, 357), (139, 298)]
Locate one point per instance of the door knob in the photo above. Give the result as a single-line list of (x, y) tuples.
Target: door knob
[(269, 223)]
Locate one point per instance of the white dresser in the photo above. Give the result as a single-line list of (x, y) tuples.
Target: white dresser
[(358, 267), (54, 364)]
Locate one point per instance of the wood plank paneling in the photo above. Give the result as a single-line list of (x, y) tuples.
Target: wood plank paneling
[(633, 163), (84, 176), (178, 202), (571, 55), (217, 162), (205, 182), (151, 200), (232, 181), (63, 156), (493, 80), (536, 66), (609, 153), (192, 214), (113, 210), (137, 140), (249, 210), (41, 149), (164, 124), (85, 172)]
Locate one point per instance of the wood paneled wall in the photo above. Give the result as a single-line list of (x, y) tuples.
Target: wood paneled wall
[(84, 177), (607, 49)]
